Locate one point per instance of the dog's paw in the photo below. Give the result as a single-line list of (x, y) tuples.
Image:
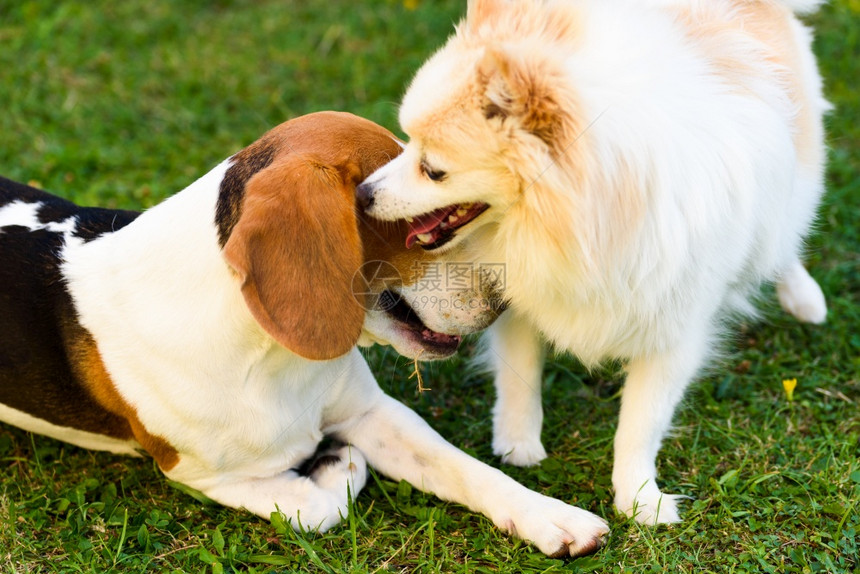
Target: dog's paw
[(557, 529), (650, 506), (336, 469), (525, 452), (319, 512)]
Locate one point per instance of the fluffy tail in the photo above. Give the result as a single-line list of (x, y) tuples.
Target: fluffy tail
[(803, 6)]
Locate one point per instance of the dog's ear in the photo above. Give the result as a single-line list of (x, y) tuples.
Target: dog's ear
[(295, 249), (523, 91), (480, 12)]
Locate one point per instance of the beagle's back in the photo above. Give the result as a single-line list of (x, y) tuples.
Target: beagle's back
[(39, 330)]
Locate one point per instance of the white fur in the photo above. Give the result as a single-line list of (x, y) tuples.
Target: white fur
[(192, 361), (685, 186), (76, 437), (20, 213)]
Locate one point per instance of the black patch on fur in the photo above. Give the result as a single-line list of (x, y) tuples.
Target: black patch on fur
[(90, 222), (246, 163), (94, 222), (11, 191), (39, 329), (322, 457), (54, 211), (322, 462), (492, 110)]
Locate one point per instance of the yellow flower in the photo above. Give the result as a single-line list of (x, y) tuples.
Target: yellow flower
[(410, 4), (789, 385)]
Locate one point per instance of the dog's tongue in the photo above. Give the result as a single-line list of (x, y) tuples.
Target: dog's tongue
[(427, 224)]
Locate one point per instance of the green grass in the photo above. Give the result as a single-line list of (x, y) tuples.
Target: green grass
[(123, 103)]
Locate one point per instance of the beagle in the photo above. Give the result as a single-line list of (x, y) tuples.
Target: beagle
[(217, 332)]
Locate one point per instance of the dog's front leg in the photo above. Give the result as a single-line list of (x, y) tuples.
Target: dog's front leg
[(401, 445), (516, 353), (654, 387)]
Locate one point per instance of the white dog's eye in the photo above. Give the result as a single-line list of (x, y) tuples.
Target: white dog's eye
[(432, 174)]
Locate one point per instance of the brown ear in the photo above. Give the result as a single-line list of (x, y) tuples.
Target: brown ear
[(523, 91), (295, 249)]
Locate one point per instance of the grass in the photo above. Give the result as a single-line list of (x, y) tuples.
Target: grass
[(123, 103)]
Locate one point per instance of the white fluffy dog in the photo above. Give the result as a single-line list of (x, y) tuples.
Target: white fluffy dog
[(640, 167)]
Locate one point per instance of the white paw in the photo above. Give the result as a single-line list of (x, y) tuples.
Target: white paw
[(649, 505), (802, 297), (525, 452), (318, 513), (556, 528)]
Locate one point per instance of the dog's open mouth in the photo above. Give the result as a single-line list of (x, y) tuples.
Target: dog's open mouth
[(435, 229), (439, 344)]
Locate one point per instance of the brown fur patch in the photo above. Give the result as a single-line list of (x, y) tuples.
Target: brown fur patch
[(90, 369), (385, 241)]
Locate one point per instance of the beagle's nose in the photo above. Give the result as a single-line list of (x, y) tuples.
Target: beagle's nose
[(364, 195)]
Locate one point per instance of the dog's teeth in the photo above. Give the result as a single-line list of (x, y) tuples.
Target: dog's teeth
[(466, 205), (424, 238), (410, 219), (453, 219), (461, 212)]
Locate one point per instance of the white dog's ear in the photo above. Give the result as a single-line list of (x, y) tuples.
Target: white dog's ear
[(479, 12), (295, 248), (522, 91)]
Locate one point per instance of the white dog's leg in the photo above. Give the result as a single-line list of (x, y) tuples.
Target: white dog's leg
[(516, 353), (800, 295), (317, 502), (654, 387), (401, 445)]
